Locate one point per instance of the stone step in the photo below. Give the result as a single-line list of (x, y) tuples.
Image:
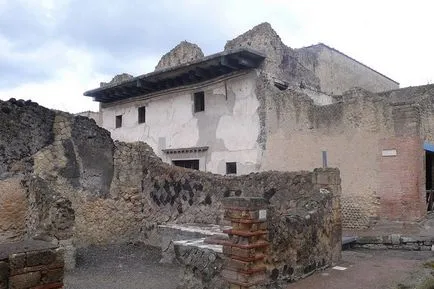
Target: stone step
[(182, 232)]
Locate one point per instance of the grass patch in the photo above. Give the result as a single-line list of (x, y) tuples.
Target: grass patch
[(429, 264), (427, 284)]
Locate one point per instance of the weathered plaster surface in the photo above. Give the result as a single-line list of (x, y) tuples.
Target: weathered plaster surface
[(229, 125), (354, 132), (338, 73)]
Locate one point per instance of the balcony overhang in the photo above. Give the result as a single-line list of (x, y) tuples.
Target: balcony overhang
[(185, 150), (198, 71)]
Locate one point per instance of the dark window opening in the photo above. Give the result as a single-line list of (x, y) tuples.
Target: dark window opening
[(189, 164), (429, 170), (142, 114), (231, 168), (199, 101), (118, 121)]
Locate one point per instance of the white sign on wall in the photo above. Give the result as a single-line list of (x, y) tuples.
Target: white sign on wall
[(389, 153), (262, 215)]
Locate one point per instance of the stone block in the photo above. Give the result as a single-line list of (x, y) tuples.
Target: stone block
[(17, 261), (396, 239), (49, 286), (23, 281), (66, 254), (407, 240), (44, 257), (4, 275), (244, 202), (326, 177), (372, 240), (52, 276)]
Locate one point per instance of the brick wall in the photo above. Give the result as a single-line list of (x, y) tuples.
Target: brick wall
[(402, 180)]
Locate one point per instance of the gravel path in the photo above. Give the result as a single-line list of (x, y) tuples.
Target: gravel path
[(121, 267)]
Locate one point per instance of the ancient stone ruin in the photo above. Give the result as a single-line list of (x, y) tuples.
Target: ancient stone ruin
[(65, 181), (31, 264)]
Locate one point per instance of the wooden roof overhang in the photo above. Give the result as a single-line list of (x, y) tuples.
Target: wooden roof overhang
[(201, 70)]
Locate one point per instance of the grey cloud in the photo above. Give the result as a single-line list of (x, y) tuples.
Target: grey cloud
[(125, 28), (14, 73), (26, 28), (116, 33)]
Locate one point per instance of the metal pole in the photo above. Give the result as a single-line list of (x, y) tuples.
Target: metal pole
[(324, 159)]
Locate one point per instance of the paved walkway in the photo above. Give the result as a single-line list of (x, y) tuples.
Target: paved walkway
[(368, 269)]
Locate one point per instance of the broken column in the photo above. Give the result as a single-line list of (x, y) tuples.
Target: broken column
[(246, 248)]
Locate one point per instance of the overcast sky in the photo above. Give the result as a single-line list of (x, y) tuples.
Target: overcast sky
[(51, 51)]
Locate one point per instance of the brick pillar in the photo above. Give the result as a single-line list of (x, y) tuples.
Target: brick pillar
[(246, 248)]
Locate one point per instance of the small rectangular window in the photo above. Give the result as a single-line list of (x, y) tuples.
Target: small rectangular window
[(189, 164), (142, 114), (231, 168), (199, 101), (118, 121)]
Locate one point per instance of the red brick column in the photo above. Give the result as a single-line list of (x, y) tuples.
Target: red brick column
[(246, 249)]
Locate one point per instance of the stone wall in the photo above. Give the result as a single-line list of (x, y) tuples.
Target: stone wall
[(281, 61), (31, 264), (82, 187), (182, 53), (356, 132), (338, 72)]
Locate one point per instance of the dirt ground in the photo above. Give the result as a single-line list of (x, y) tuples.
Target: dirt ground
[(137, 267), (121, 267), (372, 269)]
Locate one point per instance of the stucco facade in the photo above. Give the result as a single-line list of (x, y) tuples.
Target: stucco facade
[(228, 126)]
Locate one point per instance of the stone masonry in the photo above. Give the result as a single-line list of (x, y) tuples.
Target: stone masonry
[(82, 188), (31, 265), (183, 53)]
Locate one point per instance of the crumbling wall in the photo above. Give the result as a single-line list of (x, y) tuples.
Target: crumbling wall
[(355, 132), (117, 79), (13, 210), (281, 61), (182, 53), (83, 187)]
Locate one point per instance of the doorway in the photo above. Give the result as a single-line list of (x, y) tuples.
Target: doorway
[(429, 162)]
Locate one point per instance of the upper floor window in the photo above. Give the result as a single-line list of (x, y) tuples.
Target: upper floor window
[(142, 114), (231, 168), (118, 121), (199, 101)]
